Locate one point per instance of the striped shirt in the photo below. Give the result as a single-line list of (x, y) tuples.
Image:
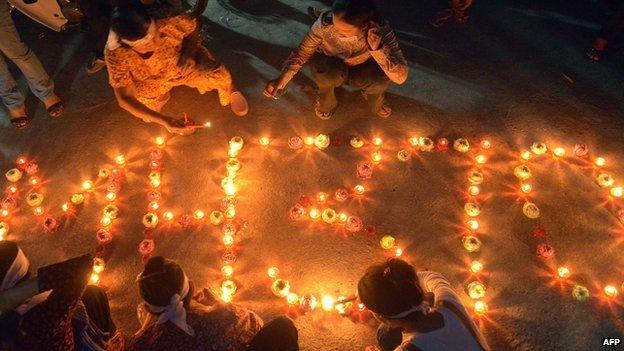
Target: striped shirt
[(324, 38)]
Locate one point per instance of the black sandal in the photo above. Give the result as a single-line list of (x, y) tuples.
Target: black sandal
[(56, 110), (20, 122)]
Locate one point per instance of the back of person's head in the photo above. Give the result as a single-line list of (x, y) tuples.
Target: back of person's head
[(13, 265), (160, 280), (390, 288), (130, 20), (356, 12)]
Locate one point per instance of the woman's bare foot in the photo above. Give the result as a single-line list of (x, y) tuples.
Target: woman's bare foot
[(238, 104)]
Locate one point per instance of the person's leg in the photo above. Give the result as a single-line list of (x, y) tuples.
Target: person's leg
[(11, 97), (388, 339), (328, 73), (373, 81), (278, 335), (97, 16), (12, 46)]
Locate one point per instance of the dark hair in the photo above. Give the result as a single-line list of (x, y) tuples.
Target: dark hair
[(161, 278), (356, 12), (390, 288), (130, 20)]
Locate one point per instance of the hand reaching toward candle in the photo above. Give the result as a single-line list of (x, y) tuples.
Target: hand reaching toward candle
[(274, 88), (181, 126)]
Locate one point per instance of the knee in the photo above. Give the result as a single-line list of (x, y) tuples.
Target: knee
[(328, 74), (377, 86)]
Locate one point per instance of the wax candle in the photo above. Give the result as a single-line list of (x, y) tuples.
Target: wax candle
[(475, 177), (387, 242), (227, 271), (472, 209), (280, 287), (13, 175), (476, 267), (273, 272), (605, 180), (150, 220), (356, 142), (531, 210), (563, 272), (461, 145), (471, 243), (327, 303), (539, 148), (480, 308), (476, 290)]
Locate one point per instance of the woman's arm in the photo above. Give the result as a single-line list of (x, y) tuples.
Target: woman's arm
[(385, 49), (441, 288)]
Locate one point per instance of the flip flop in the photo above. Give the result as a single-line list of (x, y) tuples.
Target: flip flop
[(56, 110), (20, 122), (238, 104)]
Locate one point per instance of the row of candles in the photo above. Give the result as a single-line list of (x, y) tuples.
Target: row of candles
[(603, 179)]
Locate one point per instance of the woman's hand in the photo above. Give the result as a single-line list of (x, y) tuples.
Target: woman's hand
[(179, 126), (373, 37), (273, 87)]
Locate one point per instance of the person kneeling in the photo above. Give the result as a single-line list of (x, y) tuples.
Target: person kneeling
[(146, 58), (351, 45), (395, 293), (174, 317)]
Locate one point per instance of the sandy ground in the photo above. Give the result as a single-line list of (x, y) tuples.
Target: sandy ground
[(516, 73)]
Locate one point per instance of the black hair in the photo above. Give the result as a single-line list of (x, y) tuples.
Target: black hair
[(130, 20), (390, 288), (161, 278), (357, 12)]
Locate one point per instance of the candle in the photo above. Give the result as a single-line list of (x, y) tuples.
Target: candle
[(471, 243), (87, 185), (329, 215), (559, 151), (600, 162), (98, 265), (387, 242), (264, 141), (94, 279), (475, 177), (563, 272), (11, 190), (461, 145), (4, 230), (473, 224), (150, 220), (485, 144), (120, 160), (327, 303), (292, 299), (474, 190), (34, 181), (414, 141), (308, 302), (4, 212), (228, 240), (77, 199), (216, 217), (106, 221), (539, 148), (280, 287), (13, 175), (376, 156), (480, 159), (377, 141), (480, 308), (525, 155), (398, 251), (611, 291), (321, 197), (476, 267), (273, 272), (111, 211), (359, 189), (111, 196), (476, 290), (227, 271), (154, 205), (168, 216), (236, 144), (199, 214), (342, 217), (34, 199), (580, 293), (522, 172), (314, 213), (228, 289), (604, 180), (38, 211), (356, 142), (403, 155), (526, 188), (617, 191), (531, 210), (472, 209), (160, 141), (308, 141), (228, 187), (322, 141)]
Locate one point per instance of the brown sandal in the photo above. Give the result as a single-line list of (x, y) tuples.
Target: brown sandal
[(56, 110), (20, 122)]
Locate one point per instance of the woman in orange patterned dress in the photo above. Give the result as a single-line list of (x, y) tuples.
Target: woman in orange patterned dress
[(146, 58)]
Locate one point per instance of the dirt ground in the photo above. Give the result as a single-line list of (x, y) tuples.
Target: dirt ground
[(516, 73)]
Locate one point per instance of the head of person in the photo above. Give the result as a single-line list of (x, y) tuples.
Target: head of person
[(351, 17), (14, 266), (160, 281), (133, 26), (391, 292)]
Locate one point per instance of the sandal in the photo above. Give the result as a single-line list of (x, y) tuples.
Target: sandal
[(384, 111), (56, 110), (322, 114), (593, 54), (20, 122)]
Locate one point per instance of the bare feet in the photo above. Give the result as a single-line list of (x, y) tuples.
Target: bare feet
[(238, 104)]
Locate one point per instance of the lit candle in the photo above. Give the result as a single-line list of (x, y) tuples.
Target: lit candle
[(4, 212), (273, 272), (377, 141), (150, 220), (376, 156), (485, 144), (359, 189), (523, 172), (403, 155), (329, 215), (106, 221), (230, 212), (280, 287), (472, 209), (600, 162), (4, 230), (476, 290), (236, 144), (526, 188), (387, 242), (525, 155), (34, 181), (38, 211), (94, 279), (229, 188), (473, 224), (315, 213), (617, 191), (13, 175), (160, 141), (111, 196), (321, 197), (480, 308), (65, 207), (474, 190), (531, 210), (155, 183), (308, 141), (11, 189), (154, 205), (480, 159), (264, 141), (476, 267), (342, 217), (559, 152), (398, 251), (120, 160), (199, 214), (227, 271), (322, 141), (168, 216), (414, 141), (98, 265), (563, 272), (87, 185), (327, 303), (611, 291), (228, 240), (539, 148), (356, 142), (216, 217), (292, 299)]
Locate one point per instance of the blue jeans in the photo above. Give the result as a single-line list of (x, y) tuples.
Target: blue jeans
[(13, 48)]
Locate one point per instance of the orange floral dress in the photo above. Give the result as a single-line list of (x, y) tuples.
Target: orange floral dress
[(156, 75)]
